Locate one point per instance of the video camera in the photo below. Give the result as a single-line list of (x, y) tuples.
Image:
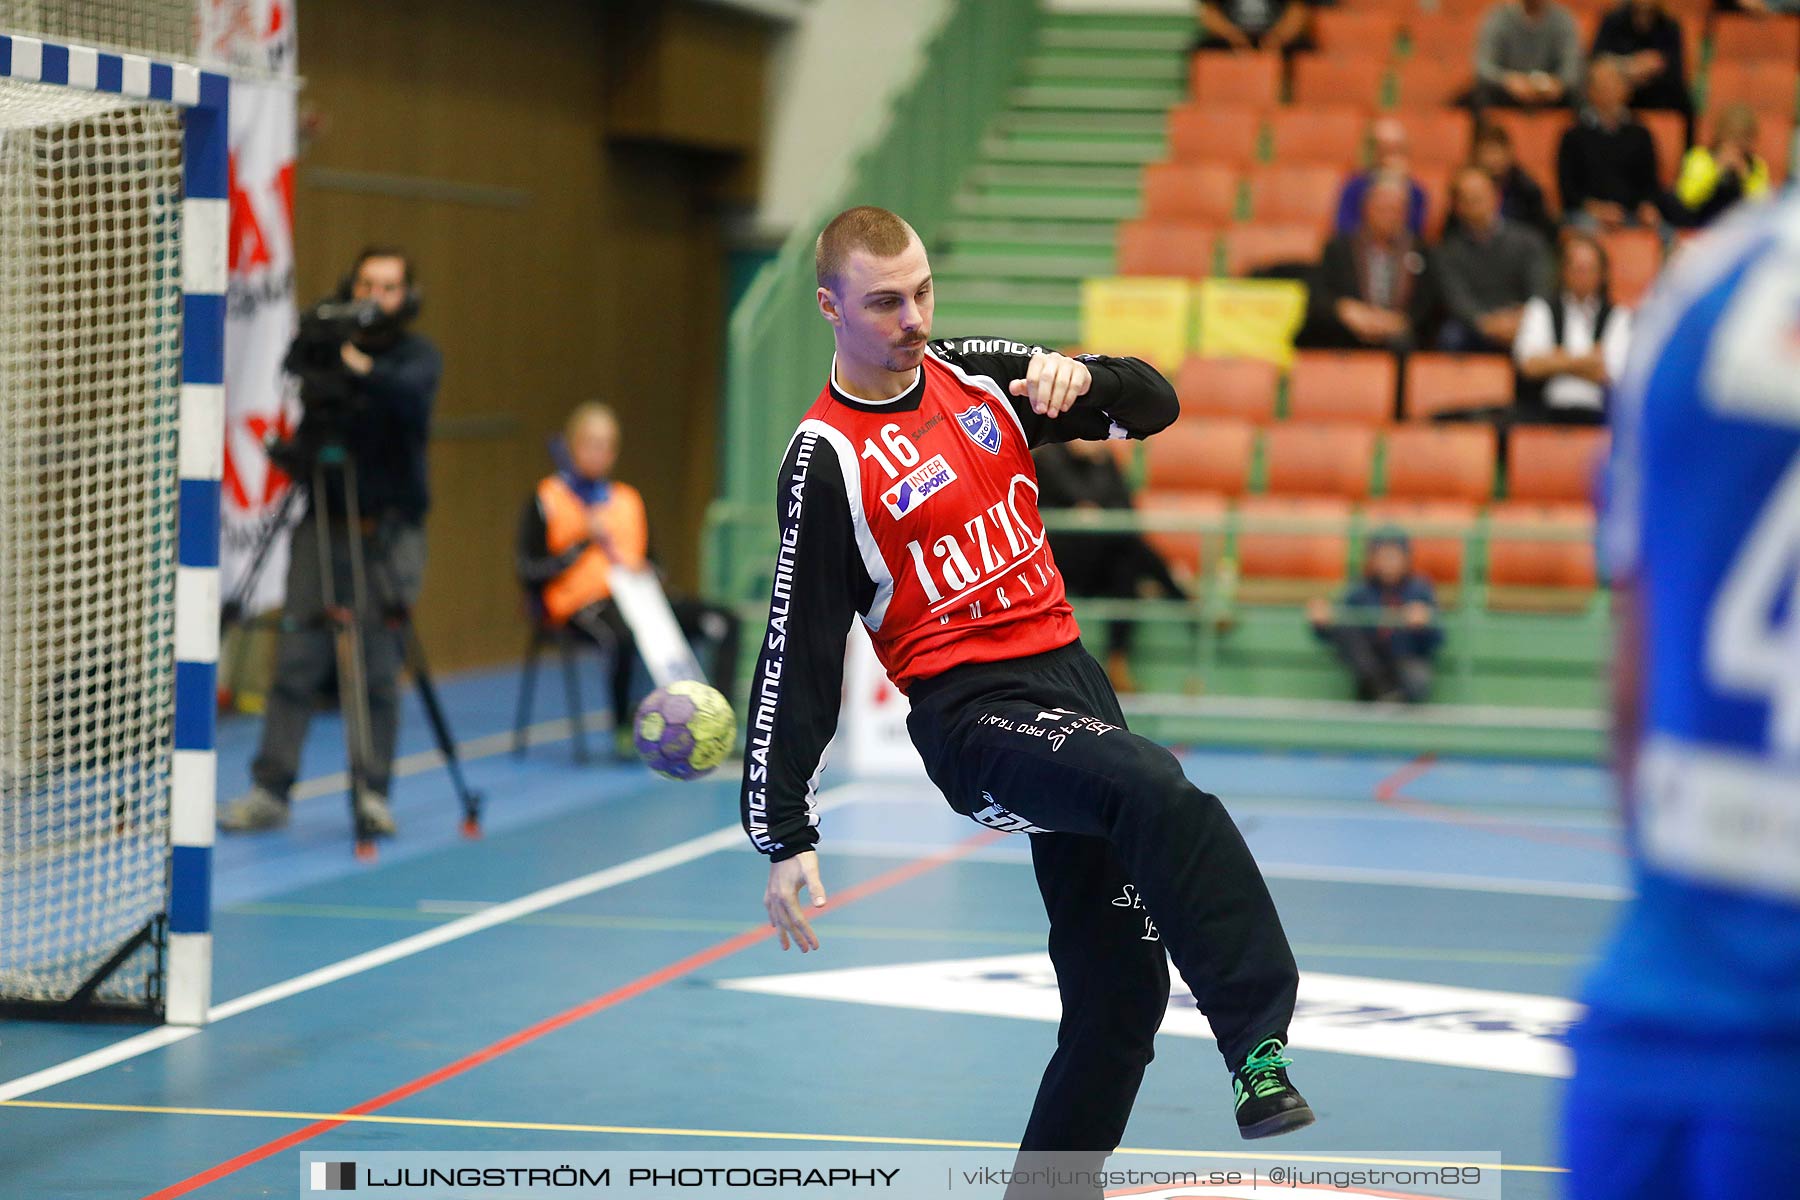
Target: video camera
[(328, 393)]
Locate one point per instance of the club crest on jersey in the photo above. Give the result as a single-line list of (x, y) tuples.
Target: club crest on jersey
[(918, 486), (978, 422)]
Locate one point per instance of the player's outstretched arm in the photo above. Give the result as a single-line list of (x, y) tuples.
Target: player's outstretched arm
[(782, 899), (820, 582), (1061, 399)]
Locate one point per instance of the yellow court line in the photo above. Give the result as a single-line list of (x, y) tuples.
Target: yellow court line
[(747, 1134)]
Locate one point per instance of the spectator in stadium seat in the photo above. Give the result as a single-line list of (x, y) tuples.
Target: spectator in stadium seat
[(1645, 42), (1489, 266), (1572, 346), (1386, 631), (1528, 55), (1387, 156), (1717, 176), (1281, 26), (579, 526), (1521, 196), (1119, 566), (1606, 164), (1376, 286)]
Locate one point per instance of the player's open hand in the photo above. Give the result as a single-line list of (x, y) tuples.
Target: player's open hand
[(786, 878), (1053, 382)]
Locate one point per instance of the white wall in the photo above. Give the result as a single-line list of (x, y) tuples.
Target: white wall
[(831, 76)]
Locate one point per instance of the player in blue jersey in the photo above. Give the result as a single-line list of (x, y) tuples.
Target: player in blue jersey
[(1687, 1081)]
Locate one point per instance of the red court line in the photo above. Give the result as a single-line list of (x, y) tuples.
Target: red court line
[(1388, 792), (531, 1033)]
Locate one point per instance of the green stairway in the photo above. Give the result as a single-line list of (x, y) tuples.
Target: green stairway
[(1058, 170)]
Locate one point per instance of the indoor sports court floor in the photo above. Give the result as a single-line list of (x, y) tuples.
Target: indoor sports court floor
[(591, 976)]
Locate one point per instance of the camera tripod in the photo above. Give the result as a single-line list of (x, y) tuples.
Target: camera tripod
[(345, 623)]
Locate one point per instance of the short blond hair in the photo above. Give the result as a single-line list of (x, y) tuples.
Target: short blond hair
[(591, 410), (865, 227)]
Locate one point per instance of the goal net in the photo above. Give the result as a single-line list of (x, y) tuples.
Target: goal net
[(91, 283)]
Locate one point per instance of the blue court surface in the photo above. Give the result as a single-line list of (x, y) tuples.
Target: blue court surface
[(593, 975)]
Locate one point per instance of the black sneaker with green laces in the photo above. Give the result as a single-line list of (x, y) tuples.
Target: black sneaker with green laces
[(1267, 1103)]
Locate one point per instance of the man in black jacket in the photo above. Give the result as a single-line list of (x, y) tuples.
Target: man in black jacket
[(1645, 42), (1606, 165), (388, 381), (1377, 287)]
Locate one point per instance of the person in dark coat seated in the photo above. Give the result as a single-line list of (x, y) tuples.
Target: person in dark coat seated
[(1114, 566), (1376, 287), (1386, 628), (1645, 42)]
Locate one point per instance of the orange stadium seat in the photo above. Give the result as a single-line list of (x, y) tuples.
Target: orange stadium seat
[(1438, 137), (1229, 134), (1186, 553), (1524, 551), (1403, 9), (1470, 9), (1548, 464), (1668, 132), (1319, 79), (1166, 248), (1535, 138), (1432, 82), (1323, 134), (1296, 195), (1353, 32), (1438, 383), (1224, 77), (1346, 386), (1316, 551), (1196, 193), (1257, 245), (1445, 37), (1765, 86), (1200, 454), (1308, 459), (1587, 24), (1634, 257), (1441, 462), (1439, 531), (1240, 388), (1739, 37)]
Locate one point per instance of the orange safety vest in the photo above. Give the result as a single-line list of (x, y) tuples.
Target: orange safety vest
[(566, 521)]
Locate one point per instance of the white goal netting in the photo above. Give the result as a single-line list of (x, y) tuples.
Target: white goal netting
[(90, 360), (159, 28)]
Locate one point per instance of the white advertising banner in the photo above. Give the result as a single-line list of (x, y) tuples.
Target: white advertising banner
[(255, 41), (873, 721)]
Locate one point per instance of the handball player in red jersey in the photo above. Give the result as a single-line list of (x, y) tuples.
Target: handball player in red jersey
[(908, 499)]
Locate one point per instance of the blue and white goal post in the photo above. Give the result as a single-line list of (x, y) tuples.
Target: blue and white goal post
[(114, 175)]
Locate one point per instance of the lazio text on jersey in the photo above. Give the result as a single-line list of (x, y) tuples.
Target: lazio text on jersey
[(1705, 523)]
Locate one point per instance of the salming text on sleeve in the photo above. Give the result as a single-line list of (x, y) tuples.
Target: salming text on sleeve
[(820, 583)]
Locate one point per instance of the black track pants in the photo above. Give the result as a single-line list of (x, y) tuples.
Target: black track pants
[(1140, 859)]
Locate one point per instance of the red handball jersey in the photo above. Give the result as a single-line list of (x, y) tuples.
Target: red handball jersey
[(919, 514)]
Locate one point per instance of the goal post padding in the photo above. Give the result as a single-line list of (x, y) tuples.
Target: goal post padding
[(113, 227)]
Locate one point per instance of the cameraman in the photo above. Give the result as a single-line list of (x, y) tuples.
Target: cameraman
[(367, 384)]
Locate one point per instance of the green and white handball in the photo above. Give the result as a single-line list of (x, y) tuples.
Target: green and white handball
[(685, 730)]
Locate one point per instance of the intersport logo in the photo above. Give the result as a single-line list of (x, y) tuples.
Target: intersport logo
[(918, 486)]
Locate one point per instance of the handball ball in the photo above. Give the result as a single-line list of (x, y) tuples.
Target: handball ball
[(685, 730)]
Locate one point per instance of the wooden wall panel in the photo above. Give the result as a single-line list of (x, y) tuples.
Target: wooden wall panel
[(555, 268)]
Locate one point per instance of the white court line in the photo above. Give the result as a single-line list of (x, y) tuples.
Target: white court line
[(487, 918)]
